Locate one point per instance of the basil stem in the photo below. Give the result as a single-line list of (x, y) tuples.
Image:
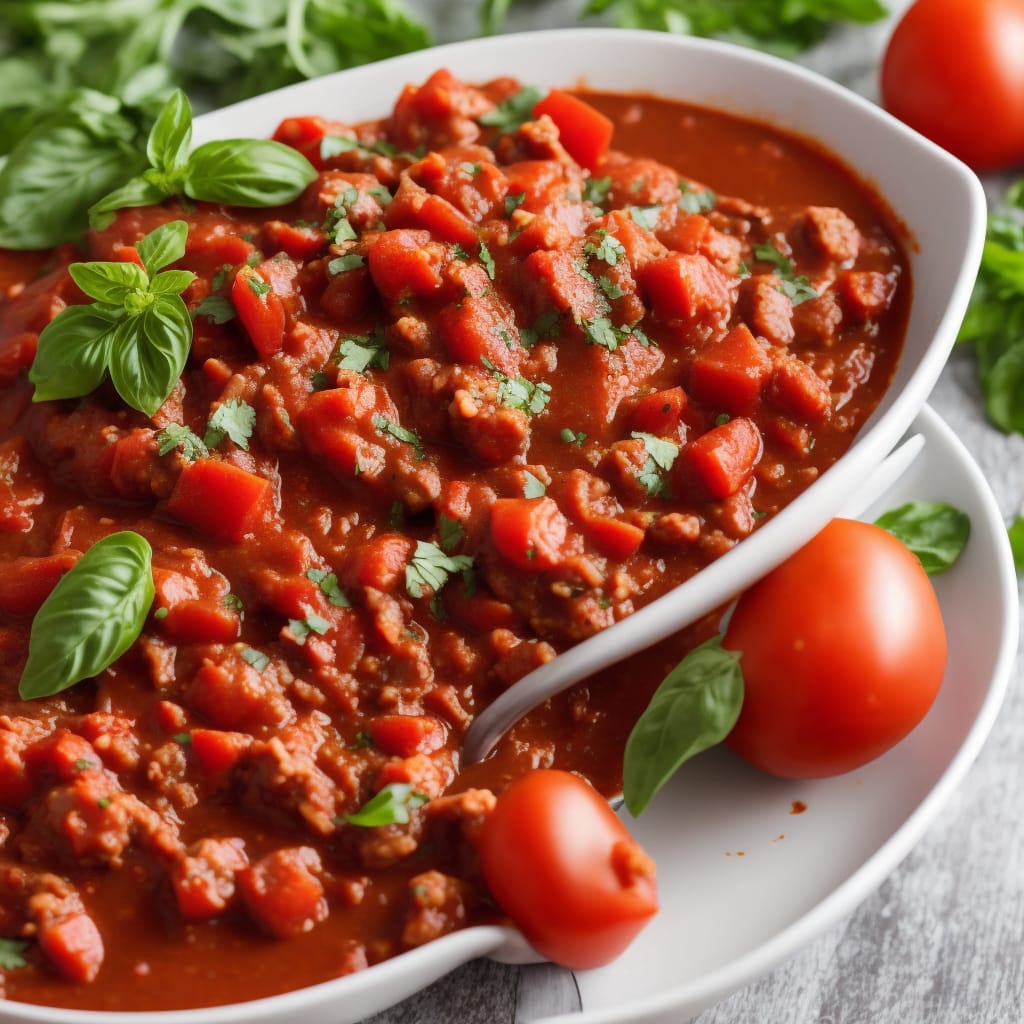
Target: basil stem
[(695, 707), (93, 615)]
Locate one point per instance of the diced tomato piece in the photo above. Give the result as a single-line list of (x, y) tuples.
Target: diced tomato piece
[(26, 582), (477, 328), (729, 373), (585, 132), (415, 207), (282, 892), (220, 500), (260, 310), (73, 945), (405, 735), (218, 751), (799, 391), (62, 755), (615, 538), (529, 532), (403, 262), (204, 881), (723, 459), (381, 562), (421, 771), (299, 242), (687, 287), (217, 245), (298, 132), (659, 413)]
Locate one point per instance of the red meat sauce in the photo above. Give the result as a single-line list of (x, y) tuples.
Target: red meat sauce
[(587, 381)]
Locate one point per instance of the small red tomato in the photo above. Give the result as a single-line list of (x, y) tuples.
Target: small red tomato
[(843, 651), (566, 870), (954, 71)]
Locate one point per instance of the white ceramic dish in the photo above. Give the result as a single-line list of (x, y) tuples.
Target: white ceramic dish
[(847, 841)]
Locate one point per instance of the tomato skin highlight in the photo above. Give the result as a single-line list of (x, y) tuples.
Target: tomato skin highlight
[(954, 71), (566, 870), (843, 652)]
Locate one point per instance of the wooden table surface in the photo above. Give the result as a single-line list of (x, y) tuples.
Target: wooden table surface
[(941, 941)]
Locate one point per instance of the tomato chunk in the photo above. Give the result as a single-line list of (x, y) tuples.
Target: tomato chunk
[(220, 500), (529, 532), (585, 132)]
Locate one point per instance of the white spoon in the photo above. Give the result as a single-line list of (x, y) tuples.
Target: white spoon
[(713, 586)]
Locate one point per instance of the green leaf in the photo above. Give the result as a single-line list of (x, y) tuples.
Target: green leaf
[(391, 806), (149, 353), (110, 282), (170, 138), (933, 530), (508, 115), (430, 569), (796, 286), (329, 587), (235, 419), (1015, 532), (93, 615), (172, 282), (361, 352), (661, 456), (399, 433), (138, 191), (694, 708), (247, 172), (450, 533), (216, 308), (11, 954), (163, 245), (56, 171), (532, 487), (73, 352), (178, 436)]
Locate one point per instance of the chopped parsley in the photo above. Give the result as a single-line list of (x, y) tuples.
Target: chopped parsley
[(450, 532), (399, 433), (487, 260), (661, 454), (301, 628), (361, 352), (517, 110), (532, 487), (601, 331), (336, 224), (235, 419), (512, 203), (609, 248), (430, 569), (257, 659), (233, 601), (178, 436), (341, 264), (646, 216), (328, 584), (545, 326), (695, 200), (595, 190), (518, 392), (609, 287), (471, 169), (257, 285), (391, 806), (216, 308), (570, 436), (796, 286)]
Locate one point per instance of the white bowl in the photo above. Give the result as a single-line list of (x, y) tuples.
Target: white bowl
[(943, 208)]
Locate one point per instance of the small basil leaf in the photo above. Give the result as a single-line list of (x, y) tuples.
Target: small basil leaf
[(171, 136), (936, 532), (390, 806), (163, 245), (247, 172), (55, 172), (109, 282), (93, 615), (694, 708), (149, 353), (171, 282), (137, 192), (74, 347)]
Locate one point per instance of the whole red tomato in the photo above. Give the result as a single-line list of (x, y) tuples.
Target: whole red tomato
[(566, 870), (843, 650), (954, 70)]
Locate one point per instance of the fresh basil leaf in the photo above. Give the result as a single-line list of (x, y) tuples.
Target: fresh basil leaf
[(247, 172), (1015, 531), (139, 191), (149, 353), (93, 615), (110, 282), (391, 806), (170, 138), (73, 352), (55, 172), (163, 245), (171, 282), (694, 708), (935, 531)]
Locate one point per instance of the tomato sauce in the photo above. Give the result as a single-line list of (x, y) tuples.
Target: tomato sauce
[(482, 402)]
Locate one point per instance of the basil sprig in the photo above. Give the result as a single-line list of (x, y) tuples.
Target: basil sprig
[(694, 708), (138, 328), (93, 615), (391, 806), (240, 172)]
